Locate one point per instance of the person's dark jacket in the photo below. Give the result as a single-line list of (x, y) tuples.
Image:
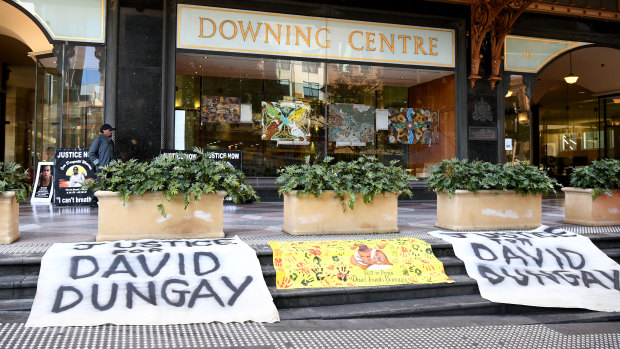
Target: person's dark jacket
[(101, 151)]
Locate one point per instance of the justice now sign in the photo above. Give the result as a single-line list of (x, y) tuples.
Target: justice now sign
[(228, 30), (151, 282)]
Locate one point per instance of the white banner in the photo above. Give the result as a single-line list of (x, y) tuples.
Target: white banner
[(545, 267), (230, 30), (151, 282)]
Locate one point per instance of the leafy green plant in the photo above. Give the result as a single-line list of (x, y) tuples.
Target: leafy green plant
[(364, 177), (12, 177), (601, 175), (173, 175), (451, 175)]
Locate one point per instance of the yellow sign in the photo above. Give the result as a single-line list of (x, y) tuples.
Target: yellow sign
[(234, 30), (351, 263)]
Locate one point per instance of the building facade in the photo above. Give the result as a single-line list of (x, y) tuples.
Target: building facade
[(278, 81)]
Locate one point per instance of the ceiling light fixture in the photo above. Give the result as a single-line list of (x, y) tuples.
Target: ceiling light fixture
[(570, 78)]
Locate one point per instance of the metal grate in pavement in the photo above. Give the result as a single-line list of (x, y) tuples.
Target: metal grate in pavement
[(27, 249), (217, 335)]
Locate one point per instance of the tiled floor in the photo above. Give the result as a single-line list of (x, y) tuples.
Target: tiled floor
[(47, 223)]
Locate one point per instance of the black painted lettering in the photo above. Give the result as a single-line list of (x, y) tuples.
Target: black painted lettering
[(75, 263), (85, 246), (237, 291), (60, 294), (523, 280), (489, 274), (614, 277), (538, 259), (131, 290), (145, 267), (479, 248), (120, 245), (509, 255), (114, 267), (181, 293), (581, 261), (210, 255), (557, 258), (111, 301), (181, 264), (210, 293), (588, 279), (572, 279)]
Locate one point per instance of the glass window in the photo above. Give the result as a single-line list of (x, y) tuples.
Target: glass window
[(82, 101), (275, 111), (517, 122), (569, 124), (420, 108), (269, 108), (48, 108), (83, 110)]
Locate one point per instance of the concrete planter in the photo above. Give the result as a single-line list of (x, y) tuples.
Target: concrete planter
[(579, 208), (309, 215), (139, 218), (9, 217), (488, 210)]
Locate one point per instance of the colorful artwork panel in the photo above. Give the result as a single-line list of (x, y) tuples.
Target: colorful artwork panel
[(351, 263), (413, 126), (351, 123), (285, 121), (219, 109)]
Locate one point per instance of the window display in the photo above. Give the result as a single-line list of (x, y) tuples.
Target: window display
[(279, 111)]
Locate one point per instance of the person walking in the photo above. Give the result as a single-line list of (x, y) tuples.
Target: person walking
[(101, 151)]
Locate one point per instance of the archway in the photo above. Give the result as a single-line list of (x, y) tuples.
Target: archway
[(20, 37), (580, 122)]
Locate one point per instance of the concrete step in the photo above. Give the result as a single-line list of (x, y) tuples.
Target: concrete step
[(22, 304), (20, 265), (311, 297), (18, 286), (439, 306)]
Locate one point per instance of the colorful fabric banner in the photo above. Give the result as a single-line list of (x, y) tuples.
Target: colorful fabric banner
[(219, 109), (286, 121), (151, 282), (350, 263), (413, 126), (352, 123), (545, 267)]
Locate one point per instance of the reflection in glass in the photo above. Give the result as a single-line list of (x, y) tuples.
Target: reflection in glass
[(81, 96), (517, 122), (275, 110)]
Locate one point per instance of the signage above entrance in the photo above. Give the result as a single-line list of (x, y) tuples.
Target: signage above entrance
[(69, 20), (531, 54), (228, 30)]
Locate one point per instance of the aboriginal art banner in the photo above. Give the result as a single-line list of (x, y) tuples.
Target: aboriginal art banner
[(545, 267), (351, 263), (219, 109), (351, 123), (151, 282), (285, 121), (413, 126)]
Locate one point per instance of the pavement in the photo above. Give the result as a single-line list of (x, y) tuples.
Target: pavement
[(42, 225)]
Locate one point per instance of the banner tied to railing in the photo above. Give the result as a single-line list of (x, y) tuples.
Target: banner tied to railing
[(151, 282), (545, 267), (348, 263)]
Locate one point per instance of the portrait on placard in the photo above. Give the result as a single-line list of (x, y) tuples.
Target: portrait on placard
[(43, 182)]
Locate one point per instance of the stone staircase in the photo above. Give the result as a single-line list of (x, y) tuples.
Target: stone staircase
[(19, 273)]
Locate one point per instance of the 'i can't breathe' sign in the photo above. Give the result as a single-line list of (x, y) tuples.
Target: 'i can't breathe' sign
[(151, 282)]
